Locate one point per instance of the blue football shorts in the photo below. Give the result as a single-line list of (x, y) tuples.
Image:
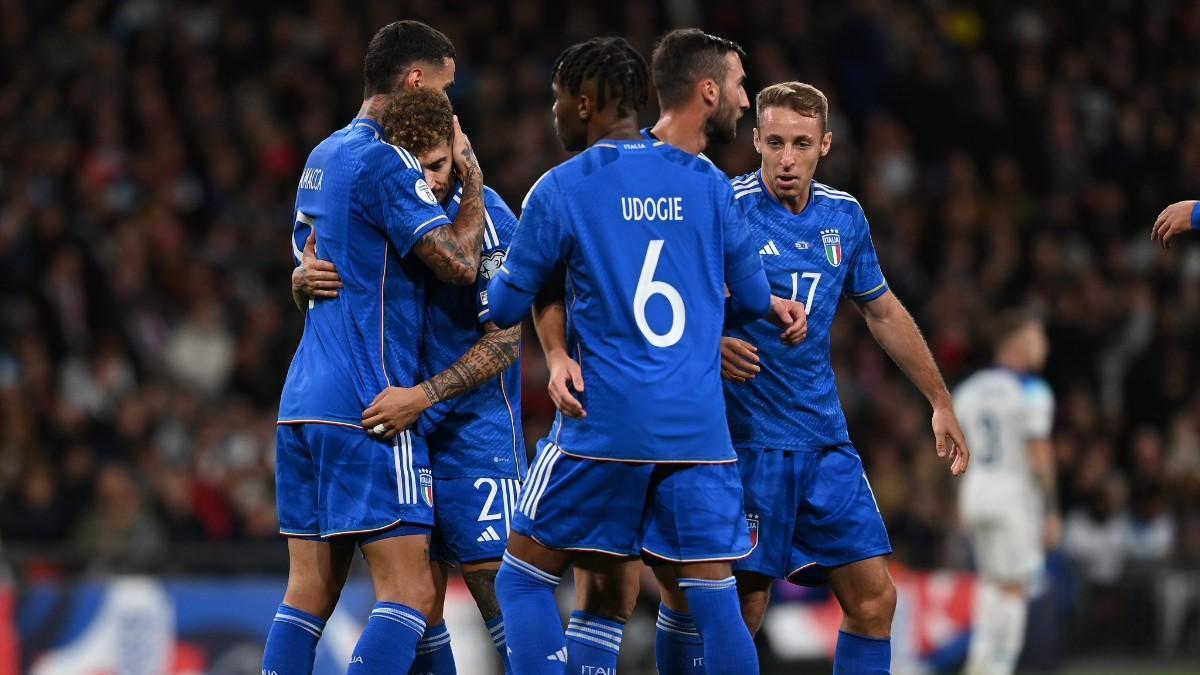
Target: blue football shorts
[(333, 480), (662, 512), (473, 517), (808, 512)]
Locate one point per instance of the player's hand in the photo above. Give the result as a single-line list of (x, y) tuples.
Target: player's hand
[(739, 359), (565, 374), (949, 439), (393, 410), (463, 154), (1172, 222), (1052, 530), (315, 278), (791, 317)]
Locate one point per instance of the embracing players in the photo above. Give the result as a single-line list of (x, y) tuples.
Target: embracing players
[(366, 207), (650, 237)]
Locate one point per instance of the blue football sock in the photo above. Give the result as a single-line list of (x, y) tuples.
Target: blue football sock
[(532, 625), (593, 643), (496, 628), (862, 655), (433, 653), (728, 647), (678, 649), (292, 642), (389, 642)]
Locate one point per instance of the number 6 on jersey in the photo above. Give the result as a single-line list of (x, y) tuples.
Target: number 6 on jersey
[(647, 287)]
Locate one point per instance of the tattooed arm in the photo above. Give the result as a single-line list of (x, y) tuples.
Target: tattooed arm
[(453, 252), (398, 407)]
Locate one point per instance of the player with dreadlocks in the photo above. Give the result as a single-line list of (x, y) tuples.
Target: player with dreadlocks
[(649, 475)]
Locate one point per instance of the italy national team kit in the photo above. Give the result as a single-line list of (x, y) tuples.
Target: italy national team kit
[(650, 470), (807, 499), (476, 444), (369, 204)]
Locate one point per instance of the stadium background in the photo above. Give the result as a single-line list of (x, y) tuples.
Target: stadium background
[(1006, 152)]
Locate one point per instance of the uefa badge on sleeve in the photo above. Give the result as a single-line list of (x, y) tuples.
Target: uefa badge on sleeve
[(427, 486), (832, 241)]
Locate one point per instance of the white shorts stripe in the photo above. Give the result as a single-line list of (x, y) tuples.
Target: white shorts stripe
[(535, 476), (541, 490), (537, 482)]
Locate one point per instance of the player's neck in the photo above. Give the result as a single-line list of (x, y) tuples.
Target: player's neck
[(794, 205), (1010, 361), (682, 130), (372, 107), (620, 129)]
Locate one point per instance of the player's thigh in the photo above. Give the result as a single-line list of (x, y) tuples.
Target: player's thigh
[(695, 516), (1006, 547), (317, 572), (583, 505), (770, 485), (296, 494), (607, 586), (838, 521), (367, 485), (401, 572), (474, 515)]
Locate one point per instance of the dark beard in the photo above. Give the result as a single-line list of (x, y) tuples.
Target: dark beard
[(721, 129)]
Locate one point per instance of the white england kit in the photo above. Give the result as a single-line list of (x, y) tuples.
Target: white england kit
[(999, 501)]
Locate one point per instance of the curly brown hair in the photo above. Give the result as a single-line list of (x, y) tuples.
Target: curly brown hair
[(418, 120)]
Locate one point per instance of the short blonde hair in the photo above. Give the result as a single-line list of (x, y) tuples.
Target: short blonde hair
[(798, 96)]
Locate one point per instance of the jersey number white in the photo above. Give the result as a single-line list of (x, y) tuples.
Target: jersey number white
[(647, 287), (812, 289), (486, 512), (308, 220)]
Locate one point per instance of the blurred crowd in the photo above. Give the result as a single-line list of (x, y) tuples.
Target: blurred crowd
[(1007, 153)]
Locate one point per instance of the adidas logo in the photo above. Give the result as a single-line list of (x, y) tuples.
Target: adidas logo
[(769, 249), (560, 655), (488, 535)]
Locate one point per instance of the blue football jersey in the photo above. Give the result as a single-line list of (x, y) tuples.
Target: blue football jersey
[(479, 433), (814, 257), (649, 235), (369, 204)]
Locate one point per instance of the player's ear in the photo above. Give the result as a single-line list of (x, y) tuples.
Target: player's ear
[(584, 108), (710, 93), (756, 141), (413, 78), (826, 142)]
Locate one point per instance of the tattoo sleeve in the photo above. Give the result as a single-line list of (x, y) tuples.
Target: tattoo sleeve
[(496, 350), (453, 252)]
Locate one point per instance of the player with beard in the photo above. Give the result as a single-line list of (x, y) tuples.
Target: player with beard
[(469, 401), (700, 83), (645, 476)]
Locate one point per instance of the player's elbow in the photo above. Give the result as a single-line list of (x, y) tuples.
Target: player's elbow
[(507, 305)]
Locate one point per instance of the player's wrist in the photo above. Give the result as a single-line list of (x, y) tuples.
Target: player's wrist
[(430, 399)]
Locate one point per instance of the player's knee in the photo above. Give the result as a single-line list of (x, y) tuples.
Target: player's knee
[(312, 594), (411, 593), (874, 611), (482, 585)]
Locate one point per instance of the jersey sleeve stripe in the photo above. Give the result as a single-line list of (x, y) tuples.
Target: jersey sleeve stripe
[(864, 294), (489, 231), (743, 193), (430, 222)]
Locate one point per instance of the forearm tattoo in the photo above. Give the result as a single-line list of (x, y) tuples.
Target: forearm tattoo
[(445, 252), (489, 357)]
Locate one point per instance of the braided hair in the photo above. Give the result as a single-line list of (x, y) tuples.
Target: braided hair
[(613, 64)]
